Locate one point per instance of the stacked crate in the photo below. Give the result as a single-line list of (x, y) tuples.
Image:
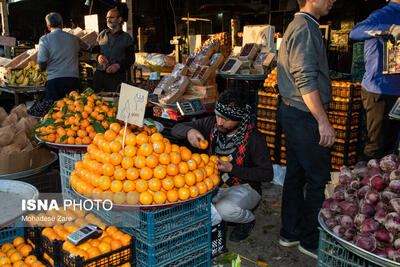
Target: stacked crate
[(345, 116)]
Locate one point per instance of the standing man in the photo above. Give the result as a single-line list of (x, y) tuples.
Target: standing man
[(379, 92), (59, 56), (305, 87), (230, 134), (115, 52)]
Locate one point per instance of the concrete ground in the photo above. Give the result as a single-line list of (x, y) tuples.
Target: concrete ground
[(263, 242)]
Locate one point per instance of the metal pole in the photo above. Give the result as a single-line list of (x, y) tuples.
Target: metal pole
[(4, 22)]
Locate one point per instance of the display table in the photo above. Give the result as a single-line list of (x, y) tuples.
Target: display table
[(249, 82), (16, 90)]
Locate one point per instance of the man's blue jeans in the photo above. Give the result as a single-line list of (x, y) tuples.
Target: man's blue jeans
[(308, 171)]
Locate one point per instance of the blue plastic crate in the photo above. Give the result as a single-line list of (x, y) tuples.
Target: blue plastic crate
[(174, 246), (153, 223), (332, 254), (197, 259), (7, 234)]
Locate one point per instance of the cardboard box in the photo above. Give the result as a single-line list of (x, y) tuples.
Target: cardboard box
[(202, 91), (231, 66), (22, 161), (248, 52), (163, 84), (201, 75), (330, 187), (175, 90), (216, 60)]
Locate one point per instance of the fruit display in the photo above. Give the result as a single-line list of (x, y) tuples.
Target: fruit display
[(40, 109), (15, 130), (365, 207), (76, 119), (271, 80), (18, 254), (149, 170), (31, 75)]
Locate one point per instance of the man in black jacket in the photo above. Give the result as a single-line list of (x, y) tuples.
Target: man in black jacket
[(230, 134)]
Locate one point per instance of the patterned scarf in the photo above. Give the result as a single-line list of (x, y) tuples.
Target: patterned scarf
[(224, 145)]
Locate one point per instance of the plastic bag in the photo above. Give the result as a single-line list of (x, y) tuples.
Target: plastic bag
[(279, 174), (215, 217)]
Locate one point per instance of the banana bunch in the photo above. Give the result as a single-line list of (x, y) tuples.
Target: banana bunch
[(29, 76)]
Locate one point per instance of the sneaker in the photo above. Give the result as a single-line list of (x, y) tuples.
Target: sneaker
[(241, 231), (308, 251), (288, 242)]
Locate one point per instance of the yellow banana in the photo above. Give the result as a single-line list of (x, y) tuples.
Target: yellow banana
[(11, 81), (37, 77), (20, 79), (25, 82), (19, 73)]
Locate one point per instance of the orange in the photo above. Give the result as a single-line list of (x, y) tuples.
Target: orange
[(224, 158), (85, 246), (132, 198), (156, 137), (115, 244), (175, 157), (104, 182), (175, 148), (145, 198), (125, 239), (168, 184), (160, 197), (209, 183), (192, 164), (128, 131), (190, 178), (115, 146), (202, 187), (183, 193), (82, 254), (19, 263), (93, 252), (164, 159), (116, 158), (159, 172), (108, 170), (105, 146), (145, 150), (116, 127), (132, 174), (167, 148), (186, 154), (110, 135), (4, 261), (199, 175), (142, 139), (146, 173), (119, 173), (67, 246), (179, 181), (151, 161), (104, 247), (141, 185), (158, 146), (128, 186), (194, 191), (116, 186), (140, 162), (16, 256), (209, 170), (25, 250), (129, 151), (94, 242), (183, 167), (172, 169), (111, 230), (205, 158), (196, 157), (154, 184), (30, 259), (119, 198), (18, 241), (127, 163), (130, 139), (203, 144)]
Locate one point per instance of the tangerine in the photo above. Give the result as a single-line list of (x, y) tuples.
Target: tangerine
[(141, 185), (110, 135), (129, 151), (172, 169), (140, 162), (168, 184), (128, 186), (203, 144), (190, 178), (127, 163), (179, 181), (146, 173), (132, 174), (194, 191), (183, 167), (159, 172), (175, 157), (116, 186), (154, 184), (160, 197), (145, 198), (151, 161), (158, 146), (164, 159)]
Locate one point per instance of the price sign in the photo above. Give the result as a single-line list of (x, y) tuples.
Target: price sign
[(132, 104)]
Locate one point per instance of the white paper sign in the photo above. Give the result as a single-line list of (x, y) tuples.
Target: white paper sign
[(92, 23), (132, 104)]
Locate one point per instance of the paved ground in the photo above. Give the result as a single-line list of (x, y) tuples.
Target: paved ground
[(263, 241)]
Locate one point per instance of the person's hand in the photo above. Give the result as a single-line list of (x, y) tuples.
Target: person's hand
[(224, 166), (113, 68), (395, 31), (327, 134), (102, 60), (194, 137)]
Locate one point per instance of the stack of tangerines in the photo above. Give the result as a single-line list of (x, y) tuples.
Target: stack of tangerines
[(16, 254), (110, 240), (76, 119), (148, 170)]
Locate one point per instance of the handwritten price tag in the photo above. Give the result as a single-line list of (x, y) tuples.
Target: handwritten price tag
[(132, 104)]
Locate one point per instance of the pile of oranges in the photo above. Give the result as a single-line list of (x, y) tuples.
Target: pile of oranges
[(110, 240), (17, 254), (149, 169), (76, 119)]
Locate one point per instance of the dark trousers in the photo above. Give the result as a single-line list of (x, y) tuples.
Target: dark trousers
[(308, 167), (103, 81), (382, 132), (60, 87)]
